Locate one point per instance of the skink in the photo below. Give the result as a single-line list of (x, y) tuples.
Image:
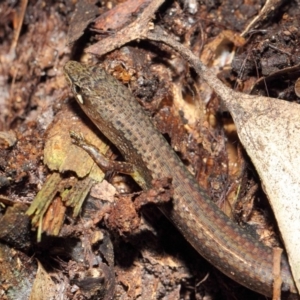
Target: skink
[(117, 114)]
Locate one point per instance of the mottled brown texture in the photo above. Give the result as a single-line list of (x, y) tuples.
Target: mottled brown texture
[(118, 115)]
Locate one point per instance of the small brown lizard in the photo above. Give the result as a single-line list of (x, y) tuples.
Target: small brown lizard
[(113, 109)]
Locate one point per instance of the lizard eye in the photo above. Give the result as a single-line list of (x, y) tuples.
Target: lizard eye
[(77, 93), (76, 89)]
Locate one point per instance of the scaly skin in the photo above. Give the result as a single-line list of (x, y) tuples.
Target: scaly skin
[(113, 109)]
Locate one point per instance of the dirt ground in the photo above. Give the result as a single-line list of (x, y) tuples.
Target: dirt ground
[(88, 238)]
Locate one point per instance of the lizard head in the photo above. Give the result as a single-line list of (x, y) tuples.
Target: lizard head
[(82, 79)]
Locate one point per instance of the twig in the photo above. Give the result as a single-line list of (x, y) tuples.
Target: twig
[(20, 18), (133, 31), (268, 9)]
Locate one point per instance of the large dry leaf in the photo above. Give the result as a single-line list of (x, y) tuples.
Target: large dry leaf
[(269, 129)]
